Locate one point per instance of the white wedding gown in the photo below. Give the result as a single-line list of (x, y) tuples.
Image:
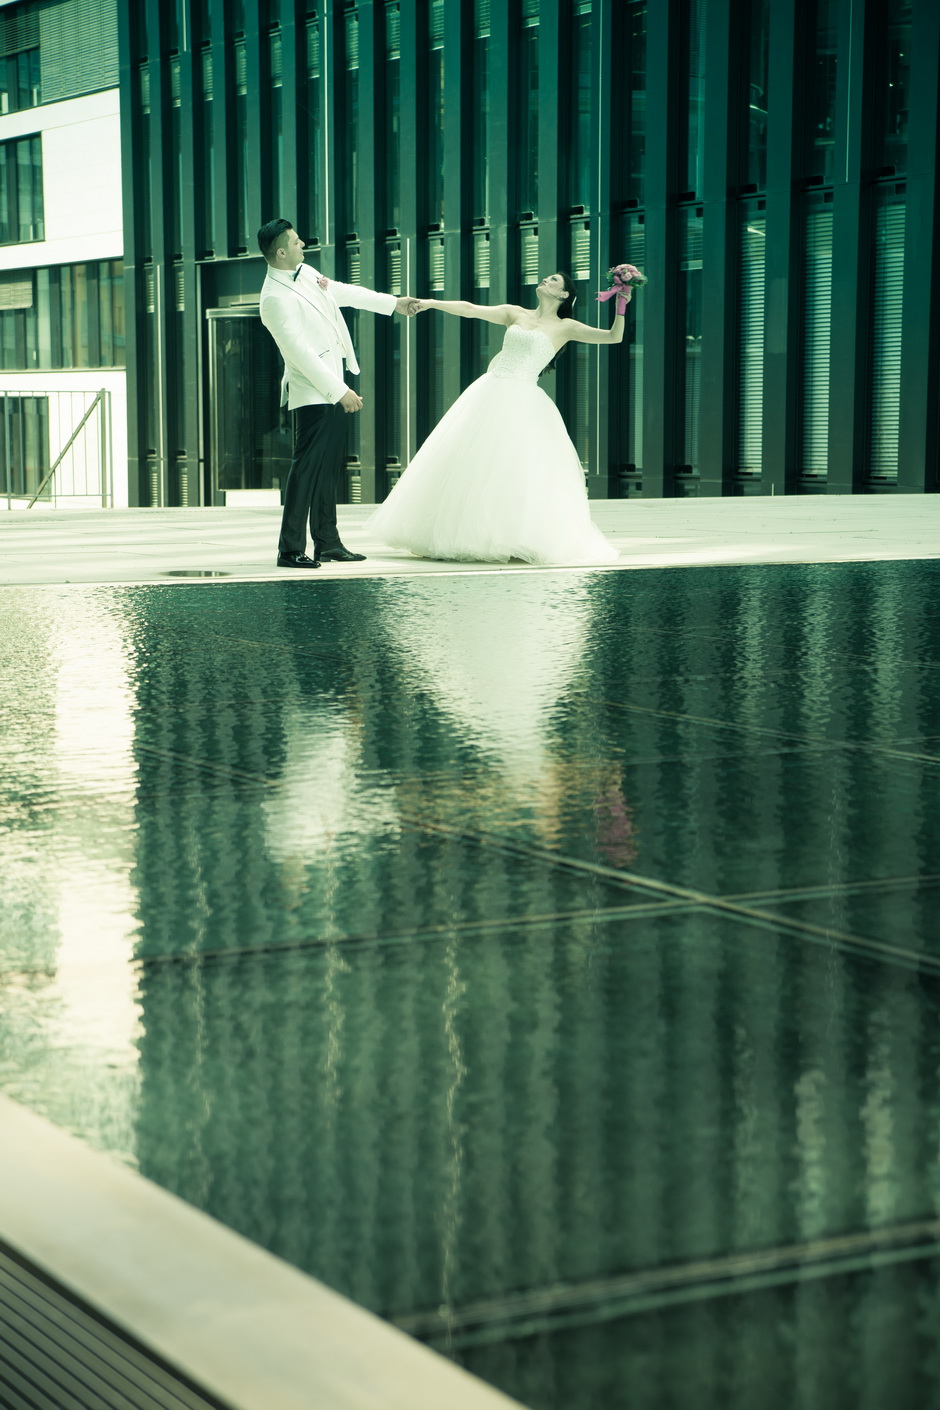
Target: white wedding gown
[(498, 477)]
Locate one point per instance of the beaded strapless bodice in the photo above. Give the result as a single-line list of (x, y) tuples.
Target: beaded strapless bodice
[(524, 353)]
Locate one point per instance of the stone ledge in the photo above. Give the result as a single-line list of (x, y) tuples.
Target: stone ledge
[(248, 1328)]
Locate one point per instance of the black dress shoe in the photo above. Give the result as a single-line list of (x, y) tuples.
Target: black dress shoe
[(296, 560), (341, 555)]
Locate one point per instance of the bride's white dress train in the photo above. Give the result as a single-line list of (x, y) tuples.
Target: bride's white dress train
[(498, 477)]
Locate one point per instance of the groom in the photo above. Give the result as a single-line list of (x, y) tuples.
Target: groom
[(300, 309)]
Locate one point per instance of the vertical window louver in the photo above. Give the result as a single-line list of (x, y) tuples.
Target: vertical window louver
[(481, 260), (352, 39), (817, 311), (885, 371), (636, 254), (530, 255), (581, 251), (436, 265), (394, 269), (393, 31), (751, 342), (690, 284)]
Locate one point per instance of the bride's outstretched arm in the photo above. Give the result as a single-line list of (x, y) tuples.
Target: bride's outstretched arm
[(584, 333), (490, 313)]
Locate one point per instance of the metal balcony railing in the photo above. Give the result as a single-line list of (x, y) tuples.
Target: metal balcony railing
[(56, 446)]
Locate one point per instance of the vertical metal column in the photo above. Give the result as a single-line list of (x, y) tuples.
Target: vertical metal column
[(598, 479), (719, 174), (186, 463), (371, 340), (503, 259), (413, 279), (918, 463), (661, 421), (155, 490), (851, 241), (257, 185), (133, 161), (779, 451), (458, 43), (223, 124), (292, 59)]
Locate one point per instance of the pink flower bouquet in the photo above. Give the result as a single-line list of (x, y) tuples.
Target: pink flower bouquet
[(624, 278)]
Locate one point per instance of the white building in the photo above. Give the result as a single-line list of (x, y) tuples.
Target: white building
[(61, 253)]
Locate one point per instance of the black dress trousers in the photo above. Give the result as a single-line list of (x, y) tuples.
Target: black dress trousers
[(319, 460)]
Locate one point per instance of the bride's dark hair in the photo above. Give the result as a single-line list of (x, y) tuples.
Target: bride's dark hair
[(565, 310)]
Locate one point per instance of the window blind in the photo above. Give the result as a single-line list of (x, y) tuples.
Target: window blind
[(530, 256), (78, 47), (887, 293), (816, 333), (751, 342)]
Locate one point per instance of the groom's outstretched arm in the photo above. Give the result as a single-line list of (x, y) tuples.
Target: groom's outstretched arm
[(355, 296)]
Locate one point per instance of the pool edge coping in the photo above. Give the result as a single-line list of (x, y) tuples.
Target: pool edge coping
[(250, 1329)]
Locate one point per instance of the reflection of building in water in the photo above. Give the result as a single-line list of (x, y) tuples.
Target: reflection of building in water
[(426, 1113), (70, 1014)]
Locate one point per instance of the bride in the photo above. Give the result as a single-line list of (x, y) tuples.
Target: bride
[(498, 477)]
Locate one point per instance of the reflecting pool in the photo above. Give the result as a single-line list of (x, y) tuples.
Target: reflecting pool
[(549, 961)]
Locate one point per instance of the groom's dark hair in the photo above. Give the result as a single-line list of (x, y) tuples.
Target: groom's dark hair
[(270, 236)]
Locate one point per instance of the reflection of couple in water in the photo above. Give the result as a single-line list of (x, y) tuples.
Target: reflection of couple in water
[(497, 478)]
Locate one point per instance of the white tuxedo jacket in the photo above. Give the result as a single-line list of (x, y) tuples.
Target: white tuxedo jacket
[(305, 322)]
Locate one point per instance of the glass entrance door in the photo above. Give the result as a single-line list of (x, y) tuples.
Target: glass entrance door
[(251, 434)]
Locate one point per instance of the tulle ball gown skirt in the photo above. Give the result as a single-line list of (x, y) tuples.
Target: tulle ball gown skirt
[(497, 478)]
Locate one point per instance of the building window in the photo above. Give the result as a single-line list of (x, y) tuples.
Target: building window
[(816, 337), (691, 223), (19, 81), (756, 69), (21, 216), (393, 116), (581, 160), (435, 127), (750, 341), (480, 110), (208, 155), (277, 196), (820, 111), (636, 20), (892, 81), (242, 231), (24, 444), (351, 120), (315, 232), (885, 342), (635, 246), (527, 97), (53, 51), (692, 94), (69, 316)]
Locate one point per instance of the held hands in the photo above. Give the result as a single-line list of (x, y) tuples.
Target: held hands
[(406, 305)]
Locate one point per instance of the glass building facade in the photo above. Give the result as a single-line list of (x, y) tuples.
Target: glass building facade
[(770, 166)]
